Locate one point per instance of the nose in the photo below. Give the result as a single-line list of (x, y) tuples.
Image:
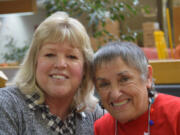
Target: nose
[(115, 91), (61, 62)]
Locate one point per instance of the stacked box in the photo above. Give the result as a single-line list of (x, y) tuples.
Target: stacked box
[(148, 33), (111, 26)]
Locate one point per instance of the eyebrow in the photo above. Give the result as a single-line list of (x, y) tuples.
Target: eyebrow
[(100, 79), (47, 47), (122, 73), (119, 74)]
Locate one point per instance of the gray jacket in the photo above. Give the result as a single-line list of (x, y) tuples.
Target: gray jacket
[(17, 119)]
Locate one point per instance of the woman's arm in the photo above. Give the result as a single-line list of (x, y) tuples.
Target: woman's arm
[(8, 114)]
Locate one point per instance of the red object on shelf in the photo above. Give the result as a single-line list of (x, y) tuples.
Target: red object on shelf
[(177, 52), (151, 53)]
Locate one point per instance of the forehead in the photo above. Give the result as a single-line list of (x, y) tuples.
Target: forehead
[(64, 45), (111, 63), (108, 67), (114, 68)]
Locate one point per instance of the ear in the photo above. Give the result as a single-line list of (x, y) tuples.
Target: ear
[(149, 76)]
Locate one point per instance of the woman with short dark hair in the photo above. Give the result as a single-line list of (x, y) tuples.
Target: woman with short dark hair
[(123, 80)]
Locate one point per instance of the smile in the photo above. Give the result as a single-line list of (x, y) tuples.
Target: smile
[(120, 103), (59, 77)]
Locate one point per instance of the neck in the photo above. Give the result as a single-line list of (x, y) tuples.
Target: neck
[(59, 107)]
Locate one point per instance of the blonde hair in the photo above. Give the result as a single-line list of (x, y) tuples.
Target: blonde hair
[(56, 29)]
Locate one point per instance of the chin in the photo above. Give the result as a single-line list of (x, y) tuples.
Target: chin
[(122, 117)]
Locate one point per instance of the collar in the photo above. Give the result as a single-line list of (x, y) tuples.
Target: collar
[(32, 101), (32, 104), (54, 122)]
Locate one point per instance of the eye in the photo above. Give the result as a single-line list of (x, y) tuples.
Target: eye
[(103, 85), (49, 55), (123, 79), (72, 57)]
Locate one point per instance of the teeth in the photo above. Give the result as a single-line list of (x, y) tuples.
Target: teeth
[(58, 77), (120, 103)]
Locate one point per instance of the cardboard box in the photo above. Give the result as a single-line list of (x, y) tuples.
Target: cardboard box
[(111, 26), (176, 22), (3, 79), (148, 33), (150, 26)]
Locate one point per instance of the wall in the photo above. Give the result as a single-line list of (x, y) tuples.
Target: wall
[(20, 28), (135, 21)]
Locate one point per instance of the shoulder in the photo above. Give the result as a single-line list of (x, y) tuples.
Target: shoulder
[(10, 109), (165, 99), (85, 120), (168, 105), (167, 111), (10, 94), (10, 90), (104, 125), (11, 99), (106, 119)]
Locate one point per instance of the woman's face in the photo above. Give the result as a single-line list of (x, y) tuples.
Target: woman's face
[(59, 70), (122, 91)]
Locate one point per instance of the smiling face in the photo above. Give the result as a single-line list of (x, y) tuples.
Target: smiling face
[(59, 70), (122, 90)]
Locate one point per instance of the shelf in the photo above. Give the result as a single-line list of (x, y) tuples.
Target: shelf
[(166, 71), (17, 6)]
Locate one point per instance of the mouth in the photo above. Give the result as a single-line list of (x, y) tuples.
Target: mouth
[(59, 77), (121, 103)]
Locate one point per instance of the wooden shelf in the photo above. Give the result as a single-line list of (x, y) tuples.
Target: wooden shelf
[(9, 67), (17, 6), (166, 71)]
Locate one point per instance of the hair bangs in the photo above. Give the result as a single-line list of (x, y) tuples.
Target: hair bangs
[(61, 33)]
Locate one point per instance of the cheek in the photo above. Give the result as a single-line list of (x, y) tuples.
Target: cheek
[(78, 70), (42, 66), (140, 97), (103, 97)]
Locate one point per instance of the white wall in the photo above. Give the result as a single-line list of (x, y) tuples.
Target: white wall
[(20, 28)]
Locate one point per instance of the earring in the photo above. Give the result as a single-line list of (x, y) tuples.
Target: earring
[(151, 92), (151, 95), (101, 105)]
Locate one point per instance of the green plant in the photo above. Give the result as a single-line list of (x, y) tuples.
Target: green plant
[(14, 54), (96, 13)]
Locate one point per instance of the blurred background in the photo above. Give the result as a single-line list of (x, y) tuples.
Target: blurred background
[(154, 25)]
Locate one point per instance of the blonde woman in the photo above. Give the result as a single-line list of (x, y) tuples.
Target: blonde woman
[(53, 93)]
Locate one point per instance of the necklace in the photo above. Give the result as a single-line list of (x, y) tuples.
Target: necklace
[(150, 122)]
